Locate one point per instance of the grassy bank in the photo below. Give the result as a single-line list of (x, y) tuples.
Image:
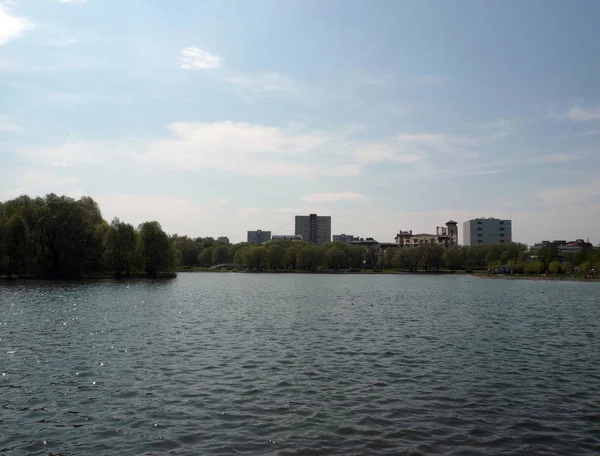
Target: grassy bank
[(137, 275), (320, 271), (557, 277)]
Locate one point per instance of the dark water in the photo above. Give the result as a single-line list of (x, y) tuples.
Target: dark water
[(213, 364)]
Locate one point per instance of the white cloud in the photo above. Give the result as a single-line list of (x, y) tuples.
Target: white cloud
[(12, 27), (59, 164), (264, 82), (334, 197), (558, 197), (193, 58), (60, 43), (579, 113), (7, 126), (247, 211), (582, 134), (261, 150)]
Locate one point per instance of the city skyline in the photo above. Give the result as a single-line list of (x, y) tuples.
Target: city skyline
[(217, 120)]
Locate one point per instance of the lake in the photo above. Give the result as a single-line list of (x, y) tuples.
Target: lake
[(300, 364)]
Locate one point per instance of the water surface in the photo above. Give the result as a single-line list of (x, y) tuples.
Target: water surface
[(300, 364)]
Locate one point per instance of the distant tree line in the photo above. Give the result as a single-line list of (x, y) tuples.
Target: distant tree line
[(60, 237)]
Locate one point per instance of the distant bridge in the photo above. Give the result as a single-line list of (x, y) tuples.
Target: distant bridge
[(227, 266)]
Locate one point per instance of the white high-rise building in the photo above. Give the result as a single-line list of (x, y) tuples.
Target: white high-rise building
[(487, 231)]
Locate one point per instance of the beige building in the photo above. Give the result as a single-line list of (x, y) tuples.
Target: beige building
[(446, 236)]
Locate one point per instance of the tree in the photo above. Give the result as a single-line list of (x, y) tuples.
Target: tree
[(69, 236), (453, 258), (355, 256), (155, 249), (336, 258), (275, 254), (122, 243), (433, 257), (220, 254), (205, 257), (554, 267), (388, 256), (534, 267), (255, 257), (408, 258)]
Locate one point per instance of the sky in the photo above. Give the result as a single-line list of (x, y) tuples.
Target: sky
[(223, 116)]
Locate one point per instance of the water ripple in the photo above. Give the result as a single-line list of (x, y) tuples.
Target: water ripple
[(299, 365)]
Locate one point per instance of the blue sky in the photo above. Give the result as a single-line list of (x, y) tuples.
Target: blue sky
[(217, 117)]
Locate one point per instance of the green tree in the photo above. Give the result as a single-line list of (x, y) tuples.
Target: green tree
[(534, 267), (336, 258), (554, 267), (433, 257), (155, 249), (275, 253), (355, 256), (69, 235), (388, 256), (220, 254), (122, 247), (308, 257), (205, 257), (255, 257), (453, 258), (408, 258)]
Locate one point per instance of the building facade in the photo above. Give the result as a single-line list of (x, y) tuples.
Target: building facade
[(313, 228), (487, 231), (445, 236), (223, 239), (289, 237), (258, 237), (345, 238), (565, 248)]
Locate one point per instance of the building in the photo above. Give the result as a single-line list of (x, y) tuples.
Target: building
[(566, 248), (223, 239), (345, 238), (487, 231), (313, 228), (290, 237), (258, 237), (445, 236)]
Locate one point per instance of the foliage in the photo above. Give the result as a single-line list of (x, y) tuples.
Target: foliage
[(58, 237), (155, 249)]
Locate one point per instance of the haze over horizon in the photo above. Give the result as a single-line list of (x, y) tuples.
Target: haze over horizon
[(219, 117)]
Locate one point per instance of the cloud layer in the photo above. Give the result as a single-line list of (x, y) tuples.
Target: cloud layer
[(193, 58), (11, 26)]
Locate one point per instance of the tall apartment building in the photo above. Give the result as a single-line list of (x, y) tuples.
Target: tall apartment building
[(487, 231), (258, 237), (314, 229)]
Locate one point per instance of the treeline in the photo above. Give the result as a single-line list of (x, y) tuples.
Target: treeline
[(59, 237), (299, 255), (286, 254)]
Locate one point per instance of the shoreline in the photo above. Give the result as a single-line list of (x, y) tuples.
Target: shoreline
[(526, 277), (240, 271)]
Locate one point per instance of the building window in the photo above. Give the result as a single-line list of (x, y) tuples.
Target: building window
[(479, 241), (501, 241), (479, 223), (501, 234), (501, 223), (479, 234), (501, 228), (479, 229)]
